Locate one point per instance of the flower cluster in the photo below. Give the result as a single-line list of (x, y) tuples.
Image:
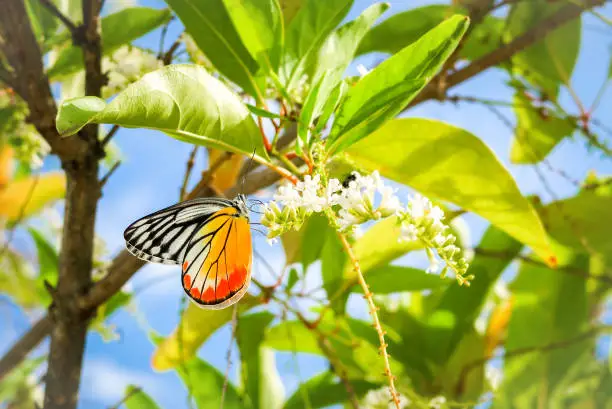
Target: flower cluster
[(127, 65), (423, 221), (361, 199)]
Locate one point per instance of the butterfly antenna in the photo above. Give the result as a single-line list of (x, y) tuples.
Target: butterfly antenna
[(246, 172)]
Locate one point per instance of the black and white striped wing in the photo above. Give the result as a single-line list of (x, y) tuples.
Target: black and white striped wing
[(162, 237)]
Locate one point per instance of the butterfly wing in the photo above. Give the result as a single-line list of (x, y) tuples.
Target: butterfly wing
[(163, 236), (217, 264)]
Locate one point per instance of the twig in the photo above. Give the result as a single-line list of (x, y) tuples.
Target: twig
[(234, 324), (109, 174), (109, 135), (169, 55), (57, 13), (372, 308), (190, 163), (503, 53)]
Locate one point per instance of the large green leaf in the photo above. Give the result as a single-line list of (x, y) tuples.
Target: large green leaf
[(25, 197), (138, 399), (385, 91), (334, 57), (549, 62), (451, 164), (576, 222), (333, 258), (325, 390), (313, 239), (182, 100), (464, 304), (394, 279), (260, 26), (118, 29), (19, 283), (549, 306), (196, 327), (211, 27), (537, 132), (307, 31), (260, 378), (406, 27), (205, 384)]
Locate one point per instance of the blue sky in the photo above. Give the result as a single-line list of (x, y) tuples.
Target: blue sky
[(149, 178)]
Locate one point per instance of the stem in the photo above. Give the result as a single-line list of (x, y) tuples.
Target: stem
[(372, 307)]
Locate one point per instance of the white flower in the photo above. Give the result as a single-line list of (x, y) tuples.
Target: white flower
[(408, 232), (382, 399), (437, 402), (434, 266), (494, 375), (288, 196)]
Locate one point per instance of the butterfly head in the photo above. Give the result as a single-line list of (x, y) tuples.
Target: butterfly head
[(241, 204)]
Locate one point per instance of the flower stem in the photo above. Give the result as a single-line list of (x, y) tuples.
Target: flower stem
[(381, 334)]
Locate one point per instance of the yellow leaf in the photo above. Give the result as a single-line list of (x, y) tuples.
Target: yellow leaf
[(25, 197), (6, 165), (227, 173), (197, 326)]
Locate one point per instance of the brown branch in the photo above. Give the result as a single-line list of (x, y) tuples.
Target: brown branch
[(189, 168), (505, 52), (76, 256)]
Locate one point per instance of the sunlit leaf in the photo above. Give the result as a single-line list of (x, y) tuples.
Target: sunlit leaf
[(386, 90), (334, 57), (550, 61), (197, 326), (537, 132), (549, 306), (25, 197), (404, 28), (260, 26), (182, 100), (325, 390), (211, 27), (449, 163), (205, 384), (261, 380), (48, 259), (18, 281), (307, 31), (393, 279), (6, 164), (138, 399), (117, 29)]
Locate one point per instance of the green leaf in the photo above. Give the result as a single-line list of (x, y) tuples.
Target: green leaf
[(549, 62), (386, 90), (308, 30), (262, 112), (261, 381), (334, 57), (333, 259), (117, 29), (293, 279), (324, 390), (48, 260), (138, 399), (448, 163), (182, 100), (333, 101), (260, 26), (404, 28), (44, 24), (537, 132), (313, 239), (464, 304), (290, 9), (394, 279), (196, 327), (19, 283), (211, 27), (206, 386), (549, 306), (576, 222)]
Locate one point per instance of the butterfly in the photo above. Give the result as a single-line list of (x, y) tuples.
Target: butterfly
[(209, 237)]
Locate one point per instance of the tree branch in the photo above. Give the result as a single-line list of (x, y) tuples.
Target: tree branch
[(505, 52), (57, 13), (76, 257)]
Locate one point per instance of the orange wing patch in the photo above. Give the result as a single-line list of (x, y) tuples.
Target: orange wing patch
[(217, 265)]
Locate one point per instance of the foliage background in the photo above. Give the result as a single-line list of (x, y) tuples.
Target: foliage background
[(149, 178)]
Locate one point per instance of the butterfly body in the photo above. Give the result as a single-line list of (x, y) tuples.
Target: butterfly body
[(210, 238)]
